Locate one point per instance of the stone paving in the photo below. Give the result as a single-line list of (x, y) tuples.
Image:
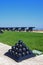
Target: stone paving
[(4, 60)]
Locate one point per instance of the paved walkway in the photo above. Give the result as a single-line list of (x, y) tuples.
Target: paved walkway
[(4, 60)]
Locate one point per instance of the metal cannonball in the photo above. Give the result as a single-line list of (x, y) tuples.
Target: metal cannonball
[(10, 51), (16, 54), (19, 54), (16, 49), (20, 45), (13, 47), (30, 52), (20, 41), (20, 50), (24, 49), (27, 52), (23, 54), (13, 52)]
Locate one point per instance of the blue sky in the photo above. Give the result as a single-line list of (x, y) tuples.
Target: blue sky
[(21, 13)]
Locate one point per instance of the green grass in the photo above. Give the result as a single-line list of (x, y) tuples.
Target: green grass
[(32, 40)]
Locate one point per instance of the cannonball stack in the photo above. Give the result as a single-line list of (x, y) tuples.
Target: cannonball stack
[(20, 51)]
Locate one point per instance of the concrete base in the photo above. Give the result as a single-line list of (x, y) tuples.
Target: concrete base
[(5, 60)]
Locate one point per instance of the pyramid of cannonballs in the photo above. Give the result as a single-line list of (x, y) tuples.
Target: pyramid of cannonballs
[(20, 51)]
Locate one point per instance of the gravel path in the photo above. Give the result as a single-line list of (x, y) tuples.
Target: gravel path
[(38, 31), (4, 60)]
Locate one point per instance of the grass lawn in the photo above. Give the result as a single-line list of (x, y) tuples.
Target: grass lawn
[(32, 40)]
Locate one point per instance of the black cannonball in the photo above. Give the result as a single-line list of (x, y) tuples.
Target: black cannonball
[(20, 41), (13, 52), (27, 49), (24, 49), (13, 47), (16, 49), (30, 52), (20, 45), (27, 52), (16, 53), (16, 44), (10, 51), (20, 50), (19, 54), (23, 54), (23, 45)]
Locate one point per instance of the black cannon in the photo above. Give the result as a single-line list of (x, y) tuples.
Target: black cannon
[(1, 31)]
